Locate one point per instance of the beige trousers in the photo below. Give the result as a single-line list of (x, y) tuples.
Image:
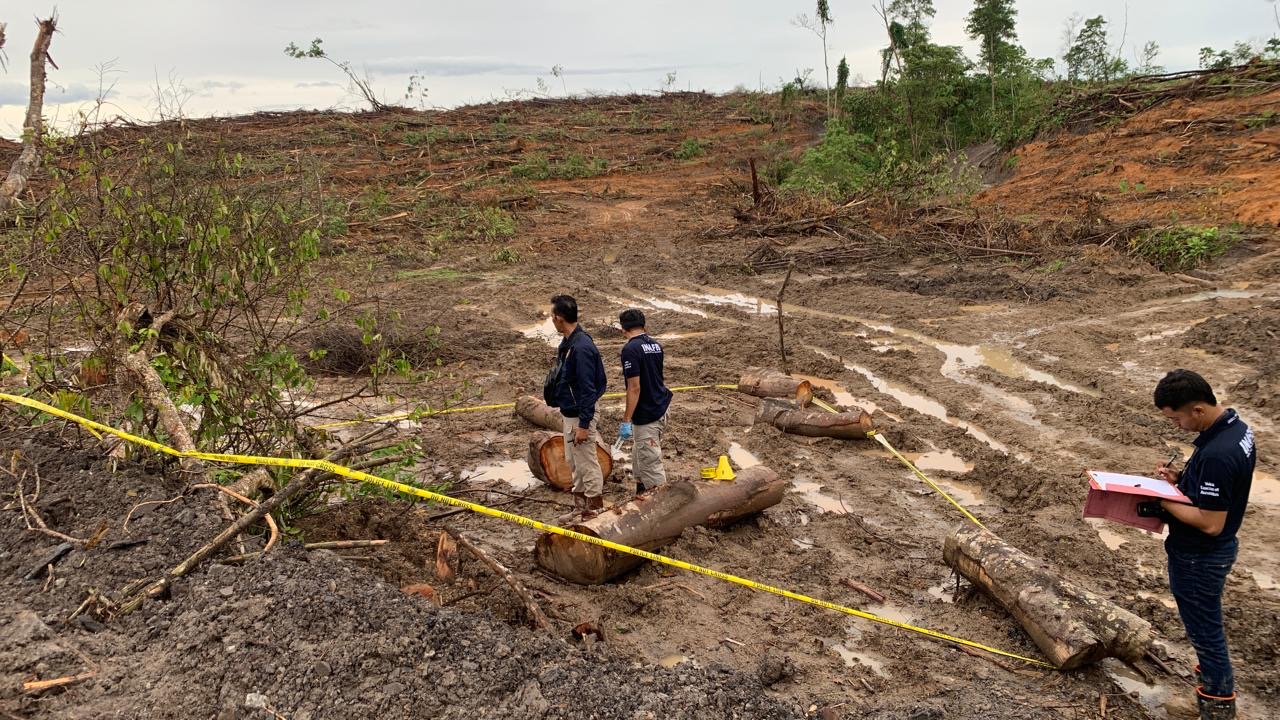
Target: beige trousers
[(588, 478), (646, 458)]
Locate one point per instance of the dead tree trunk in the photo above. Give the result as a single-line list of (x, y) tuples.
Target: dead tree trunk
[(1071, 625), (547, 461), (539, 413), (655, 520), (33, 127), (771, 383), (814, 423)]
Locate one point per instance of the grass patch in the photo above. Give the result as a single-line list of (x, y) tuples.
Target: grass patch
[(537, 166), (433, 274), (1184, 247), (690, 149)]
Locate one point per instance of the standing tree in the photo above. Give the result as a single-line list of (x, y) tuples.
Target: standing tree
[(33, 127), (1147, 60), (1089, 58), (992, 22), (818, 26), (842, 82)]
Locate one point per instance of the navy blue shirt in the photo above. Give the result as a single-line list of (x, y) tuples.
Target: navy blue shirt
[(642, 358), (1217, 477), (582, 380)]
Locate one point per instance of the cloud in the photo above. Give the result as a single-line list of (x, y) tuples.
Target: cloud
[(319, 84), (229, 85), (16, 93), (461, 66)]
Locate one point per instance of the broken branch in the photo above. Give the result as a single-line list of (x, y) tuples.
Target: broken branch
[(536, 616)]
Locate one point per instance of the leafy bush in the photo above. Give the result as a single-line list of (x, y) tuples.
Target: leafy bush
[(690, 149), (1183, 248), (841, 165)]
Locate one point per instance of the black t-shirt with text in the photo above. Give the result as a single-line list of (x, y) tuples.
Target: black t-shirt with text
[(642, 358), (1217, 477)]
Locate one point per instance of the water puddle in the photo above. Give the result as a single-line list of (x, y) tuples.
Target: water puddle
[(944, 591), (680, 336), (742, 457), (544, 331), (662, 304), (920, 403), (853, 658), (1151, 697), (1110, 537), (515, 473), (1215, 294), (845, 398), (936, 460), (967, 494), (958, 356), (671, 661), (812, 493)]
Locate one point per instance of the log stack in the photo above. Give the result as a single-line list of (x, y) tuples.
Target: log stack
[(1071, 625), (654, 520)]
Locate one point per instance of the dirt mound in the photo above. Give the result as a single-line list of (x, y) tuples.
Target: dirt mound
[(1204, 160), (306, 634)]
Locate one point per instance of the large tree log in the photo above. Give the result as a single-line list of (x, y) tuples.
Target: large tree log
[(655, 520), (33, 127), (771, 383), (814, 423), (539, 413), (547, 461), (1071, 625)]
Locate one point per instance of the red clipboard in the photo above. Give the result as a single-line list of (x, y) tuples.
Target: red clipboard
[(1115, 497)]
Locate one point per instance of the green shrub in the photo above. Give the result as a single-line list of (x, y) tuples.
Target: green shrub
[(690, 149), (1183, 248), (839, 166), (537, 166)]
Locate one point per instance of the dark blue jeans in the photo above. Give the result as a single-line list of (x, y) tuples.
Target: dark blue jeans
[(1196, 580)]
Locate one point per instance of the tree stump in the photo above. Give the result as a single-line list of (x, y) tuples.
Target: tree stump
[(655, 520), (547, 461), (1071, 625)]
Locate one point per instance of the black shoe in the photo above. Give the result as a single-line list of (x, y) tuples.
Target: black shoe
[(1216, 708)]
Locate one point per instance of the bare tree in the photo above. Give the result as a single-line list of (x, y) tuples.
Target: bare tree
[(818, 26), (33, 127)]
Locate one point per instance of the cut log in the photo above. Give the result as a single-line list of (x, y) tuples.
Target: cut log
[(773, 384), (446, 558), (850, 425), (539, 413), (1071, 625), (655, 520), (547, 461)]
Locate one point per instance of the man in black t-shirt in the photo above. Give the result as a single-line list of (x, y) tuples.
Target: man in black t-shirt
[(1202, 541), (647, 401)]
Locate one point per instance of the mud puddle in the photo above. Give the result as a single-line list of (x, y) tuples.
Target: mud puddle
[(854, 658), (544, 331), (845, 398), (934, 460), (920, 403), (1151, 697), (811, 492), (958, 357), (1265, 489), (515, 473), (742, 457), (1109, 536)]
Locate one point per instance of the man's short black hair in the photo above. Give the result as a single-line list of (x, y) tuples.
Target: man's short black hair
[(1181, 388), (566, 307), (631, 318)]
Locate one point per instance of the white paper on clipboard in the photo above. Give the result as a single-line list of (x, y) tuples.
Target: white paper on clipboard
[(1136, 485)]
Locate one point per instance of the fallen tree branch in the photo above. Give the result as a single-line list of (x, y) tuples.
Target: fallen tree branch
[(271, 522), (536, 616)]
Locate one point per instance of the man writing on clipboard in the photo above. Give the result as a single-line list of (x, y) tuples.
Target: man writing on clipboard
[(1202, 541)]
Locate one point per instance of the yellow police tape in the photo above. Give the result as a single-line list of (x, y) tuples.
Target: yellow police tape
[(479, 408), (336, 469), (911, 466)]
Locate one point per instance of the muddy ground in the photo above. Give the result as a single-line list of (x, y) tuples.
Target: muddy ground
[(1004, 378)]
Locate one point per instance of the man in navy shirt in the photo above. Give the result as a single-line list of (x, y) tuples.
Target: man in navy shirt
[(1202, 536), (578, 388), (647, 401)]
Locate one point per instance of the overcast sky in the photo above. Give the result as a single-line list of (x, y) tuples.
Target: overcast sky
[(227, 57)]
